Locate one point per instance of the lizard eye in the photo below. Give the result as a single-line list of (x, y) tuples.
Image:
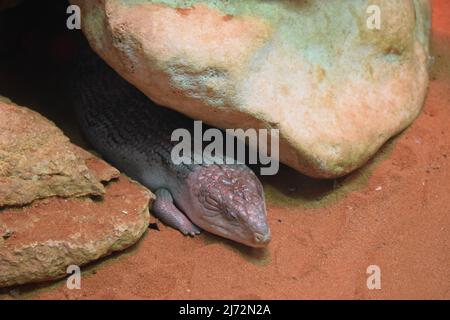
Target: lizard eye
[(211, 204), (212, 201)]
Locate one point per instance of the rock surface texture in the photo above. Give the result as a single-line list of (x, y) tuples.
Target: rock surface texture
[(335, 88), (37, 160), (39, 241)]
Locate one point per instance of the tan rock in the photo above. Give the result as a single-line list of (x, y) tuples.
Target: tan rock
[(336, 89), (99, 168), (39, 242), (37, 161)]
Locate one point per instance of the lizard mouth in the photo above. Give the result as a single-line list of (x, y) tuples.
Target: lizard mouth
[(255, 240)]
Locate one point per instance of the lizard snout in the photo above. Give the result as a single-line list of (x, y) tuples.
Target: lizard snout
[(262, 239)]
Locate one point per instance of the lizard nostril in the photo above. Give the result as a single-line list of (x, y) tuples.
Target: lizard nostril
[(262, 238)]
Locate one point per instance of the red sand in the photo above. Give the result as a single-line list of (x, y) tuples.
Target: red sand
[(394, 213)]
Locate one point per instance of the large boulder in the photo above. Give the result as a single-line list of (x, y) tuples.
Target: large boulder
[(70, 217), (335, 88)]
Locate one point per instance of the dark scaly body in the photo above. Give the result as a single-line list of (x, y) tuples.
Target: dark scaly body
[(134, 134)]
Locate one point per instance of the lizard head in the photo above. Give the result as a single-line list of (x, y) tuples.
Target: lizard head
[(229, 202)]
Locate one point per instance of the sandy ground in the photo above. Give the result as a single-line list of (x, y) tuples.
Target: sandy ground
[(393, 213)]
